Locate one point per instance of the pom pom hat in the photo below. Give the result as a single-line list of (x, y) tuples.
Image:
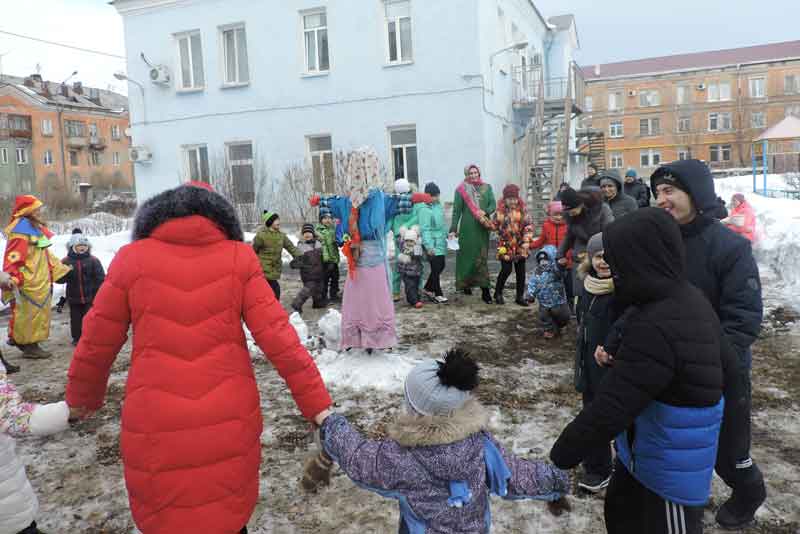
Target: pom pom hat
[(440, 387)]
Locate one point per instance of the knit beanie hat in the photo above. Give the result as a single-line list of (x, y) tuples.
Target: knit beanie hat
[(432, 189), (402, 186), (325, 211), (511, 191), (631, 173), (269, 217), (308, 227), (554, 207), (668, 178), (410, 235), (606, 180), (595, 244), (570, 199), (77, 238), (441, 387)]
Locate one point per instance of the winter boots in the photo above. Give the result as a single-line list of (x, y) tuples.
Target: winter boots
[(498, 298), (740, 510), (10, 367), (31, 529), (486, 295), (33, 351)]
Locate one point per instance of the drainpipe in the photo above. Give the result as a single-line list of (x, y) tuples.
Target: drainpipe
[(61, 142)]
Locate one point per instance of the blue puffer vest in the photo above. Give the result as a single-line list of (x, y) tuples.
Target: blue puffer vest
[(674, 451)]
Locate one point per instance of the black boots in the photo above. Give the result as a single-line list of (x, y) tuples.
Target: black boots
[(10, 367), (521, 297), (486, 295), (31, 529), (498, 297), (740, 510)]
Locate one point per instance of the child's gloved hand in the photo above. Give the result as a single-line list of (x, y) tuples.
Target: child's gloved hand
[(557, 508), (60, 305), (316, 472)]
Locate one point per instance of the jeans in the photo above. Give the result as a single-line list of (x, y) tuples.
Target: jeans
[(505, 271), (434, 284), (411, 284)]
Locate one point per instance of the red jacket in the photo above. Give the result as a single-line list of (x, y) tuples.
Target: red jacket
[(552, 234), (191, 421), (745, 211)]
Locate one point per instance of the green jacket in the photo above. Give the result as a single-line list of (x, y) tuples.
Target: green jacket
[(407, 219), (330, 250), (269, 245), (434, 232)]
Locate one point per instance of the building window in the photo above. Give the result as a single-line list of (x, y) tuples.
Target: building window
[(315, 32), (719, 92), (615, 160), (650, 126), (684, 124), (682, 95), (234, 55), (92, 130), (683, 154), (195, 159), (649, 98), (791, 84), (22, 156), (616, 129), (615, 101), (588, 103), (115, 159), (758, 87), (115, 132), (241, 169), (75, 129), (719, 153), (190, 51), (398, 30), (20, 123), (650, 158), (76, 184), (95, 158), (47, 158), (404, 154), (758, 119), (793, 110), (720, 122), (47, 127), (3, 156), (320, 150), (73, 158)]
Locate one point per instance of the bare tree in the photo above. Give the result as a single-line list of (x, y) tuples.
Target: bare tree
[(247, 191), (294, 192)]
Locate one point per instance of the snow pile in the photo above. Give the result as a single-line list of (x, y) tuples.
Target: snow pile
[(330, 327), (300, 327), (777, 229), (95, 224), (355, 369)]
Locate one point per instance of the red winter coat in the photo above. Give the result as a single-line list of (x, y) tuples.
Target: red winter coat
[(745, 212), (191, 421), (552, 234)]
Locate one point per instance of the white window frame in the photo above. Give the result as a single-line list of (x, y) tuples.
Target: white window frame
[(760, 124), (793, 110), (22, 155), (616, 129), (179, 80), (616, 101), (684, 130), (404, 148), (720, 151), (686, 92), (791, 84), (588, 104), (3, 155), (651, 132), (721, 117), (752, 84), (115, 161), (397, 36), (93, 130), (237, 55), (649, 98), (316, 71), (187, 160), (47, 127), (616, 160), (95, 158), (683, 154), (115, 132), (651, 158), (47, 158), (716, 93), (77, 158), (241, 162), (323, 179)]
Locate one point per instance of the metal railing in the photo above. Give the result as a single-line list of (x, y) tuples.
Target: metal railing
[(529, 87), (778, 193)]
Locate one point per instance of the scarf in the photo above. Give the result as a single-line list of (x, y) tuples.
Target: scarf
[(598, 286)]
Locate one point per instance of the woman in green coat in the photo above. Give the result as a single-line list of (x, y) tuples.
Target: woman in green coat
[(473, 205), (434, 241)]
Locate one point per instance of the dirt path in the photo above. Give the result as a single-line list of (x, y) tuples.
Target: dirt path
[(527, 384)]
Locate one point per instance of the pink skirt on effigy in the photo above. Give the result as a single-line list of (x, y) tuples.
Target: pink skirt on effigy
[(368, 310)]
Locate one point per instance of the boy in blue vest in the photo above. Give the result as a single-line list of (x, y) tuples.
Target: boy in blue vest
[(662, 395)]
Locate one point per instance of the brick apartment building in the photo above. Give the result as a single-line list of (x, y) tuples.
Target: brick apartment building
[(707, 105), (54, 137)]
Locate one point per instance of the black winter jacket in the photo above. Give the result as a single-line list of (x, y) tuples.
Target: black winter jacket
[(719, 262), (638, 191), (670, 350), (310, 262), (85, 278), (581, 229), (596, 320)]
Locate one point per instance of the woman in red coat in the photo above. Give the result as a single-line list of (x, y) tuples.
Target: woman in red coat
[(742, 218), (191, 421)]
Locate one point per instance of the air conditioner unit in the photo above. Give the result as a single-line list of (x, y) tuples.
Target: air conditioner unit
[(701, 87), (139, 154), (160, 75), (631, 93)]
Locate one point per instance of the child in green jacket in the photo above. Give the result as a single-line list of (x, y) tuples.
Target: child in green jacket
[(434, 241), (326, 232), (269, 244)]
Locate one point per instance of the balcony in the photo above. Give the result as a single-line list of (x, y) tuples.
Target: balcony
[(530, 90), (76, 141), (97, 143), (5, 133)]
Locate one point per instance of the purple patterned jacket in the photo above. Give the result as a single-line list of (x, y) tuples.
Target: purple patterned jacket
[(440, 469)]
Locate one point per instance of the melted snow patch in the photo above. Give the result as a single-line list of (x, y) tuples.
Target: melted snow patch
[(300, 327), (355, 369), (330, 327)]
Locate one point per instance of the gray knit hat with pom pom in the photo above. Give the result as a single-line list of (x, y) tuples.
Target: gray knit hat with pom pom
[(441, 387)]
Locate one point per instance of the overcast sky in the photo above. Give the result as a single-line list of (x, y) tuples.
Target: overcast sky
[(617, 30), (609, 30)]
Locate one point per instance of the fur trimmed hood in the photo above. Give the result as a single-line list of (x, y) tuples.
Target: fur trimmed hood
[(186, 201), (426, 431)]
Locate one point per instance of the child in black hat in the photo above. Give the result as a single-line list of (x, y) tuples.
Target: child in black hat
[(312, 271)]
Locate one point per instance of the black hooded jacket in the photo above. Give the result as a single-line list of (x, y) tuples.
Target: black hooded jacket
[(622, 204), (719, 262), (670, 351), (85, 278), (639, 192)]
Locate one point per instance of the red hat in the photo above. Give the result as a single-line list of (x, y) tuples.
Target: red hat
[(511, 191), (201, 185), (23, 205)]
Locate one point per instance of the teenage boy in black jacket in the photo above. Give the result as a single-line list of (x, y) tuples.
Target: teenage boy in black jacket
[(662, 398)]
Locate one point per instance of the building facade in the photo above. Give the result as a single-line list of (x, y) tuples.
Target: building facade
[(58, 137), (708, 106), (250, 89)]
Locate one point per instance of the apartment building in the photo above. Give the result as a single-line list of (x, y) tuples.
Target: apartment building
[(249, 89), (54, 137), (707, 105)]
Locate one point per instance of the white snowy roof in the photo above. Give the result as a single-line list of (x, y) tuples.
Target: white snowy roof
[(788, 128)]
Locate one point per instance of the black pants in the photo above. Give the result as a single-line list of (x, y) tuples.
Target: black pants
[(554, 319), (311, 289), (330, 284), (77, 312), (434, 284), (630, 508), (276, 288), (598, 461), (505, 271), (411, 284), (567, 276)]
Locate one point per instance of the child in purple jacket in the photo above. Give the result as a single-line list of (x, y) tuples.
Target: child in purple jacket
[(439, 463)]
